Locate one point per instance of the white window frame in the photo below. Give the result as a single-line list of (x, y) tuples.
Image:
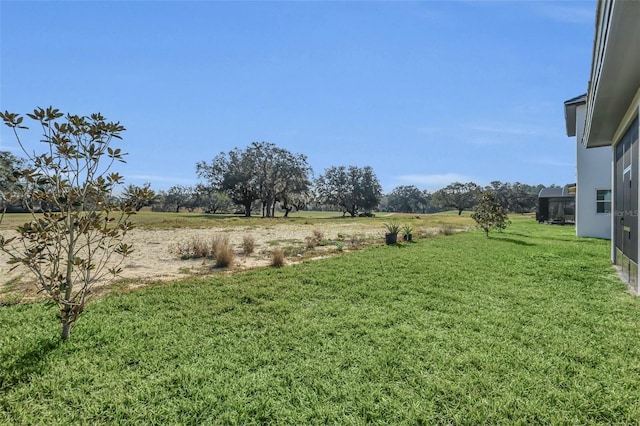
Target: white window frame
[(603, 201)]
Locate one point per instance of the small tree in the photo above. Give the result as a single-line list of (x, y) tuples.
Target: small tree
[(489, 213), (138, 196), (76, 224)]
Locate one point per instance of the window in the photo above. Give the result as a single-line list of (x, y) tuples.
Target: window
[(603, 201)]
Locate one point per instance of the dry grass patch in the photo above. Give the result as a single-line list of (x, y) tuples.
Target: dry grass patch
[(248, 244), (222, 252), (194, 248), (277, 257)]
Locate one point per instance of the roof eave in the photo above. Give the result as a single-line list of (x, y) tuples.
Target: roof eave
[(615, 72), (570, 107)]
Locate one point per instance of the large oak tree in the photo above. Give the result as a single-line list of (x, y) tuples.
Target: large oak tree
[(261, 172), (350, 189)]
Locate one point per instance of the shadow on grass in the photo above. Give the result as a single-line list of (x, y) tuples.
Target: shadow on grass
[(512, 240), (400, 245), (571, 239), (21, 366), (217, 216)]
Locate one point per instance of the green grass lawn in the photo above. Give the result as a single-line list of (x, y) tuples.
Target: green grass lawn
[(169, 220), (526, 327)]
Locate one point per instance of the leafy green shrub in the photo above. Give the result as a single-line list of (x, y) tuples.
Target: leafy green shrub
[(490, 214), (392, 227), (407, 232)]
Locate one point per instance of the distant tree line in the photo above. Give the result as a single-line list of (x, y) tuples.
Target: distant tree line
[(266, 179), (514, 197)]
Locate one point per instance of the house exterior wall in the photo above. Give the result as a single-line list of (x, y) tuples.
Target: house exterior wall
[(626, 244), (593, 173), (613, 105)]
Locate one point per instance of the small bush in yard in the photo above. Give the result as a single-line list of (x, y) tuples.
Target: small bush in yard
[(195, 248), (316, 239), (357, 240), (200, 248), (447, 230), (222, 252), (490, 214), (248, 244), (277, 258), (311, 242)]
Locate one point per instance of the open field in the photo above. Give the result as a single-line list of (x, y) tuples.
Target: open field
[(159, 238), (531, 326)]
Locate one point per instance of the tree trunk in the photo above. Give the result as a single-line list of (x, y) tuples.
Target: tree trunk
[(247, 209), (66, 328), (287, 210), (460, 211)]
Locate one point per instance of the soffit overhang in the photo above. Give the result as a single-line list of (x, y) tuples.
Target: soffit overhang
[(615, 69)]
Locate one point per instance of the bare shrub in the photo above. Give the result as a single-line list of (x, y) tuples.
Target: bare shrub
[(222, 252), (316, 239), (277, 258), (192, 249), (201, 248), (224, 257), (248, 244), (357, 240), (447, 230), (182, 250), (311, 242)]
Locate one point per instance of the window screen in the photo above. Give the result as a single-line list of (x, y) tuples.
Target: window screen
[(603, 201)]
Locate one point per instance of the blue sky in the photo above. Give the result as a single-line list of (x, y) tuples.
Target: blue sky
[(425, 92)]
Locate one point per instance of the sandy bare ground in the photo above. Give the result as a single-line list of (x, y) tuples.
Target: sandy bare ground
[(156, 252)]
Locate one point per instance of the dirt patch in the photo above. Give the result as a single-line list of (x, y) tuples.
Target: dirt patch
[(156, 252)]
